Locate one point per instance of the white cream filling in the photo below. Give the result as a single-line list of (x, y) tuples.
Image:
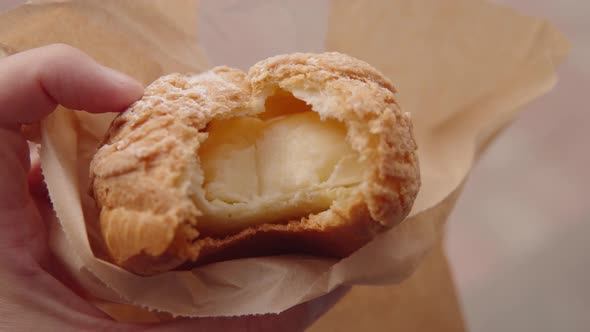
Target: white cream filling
[(272, 169)]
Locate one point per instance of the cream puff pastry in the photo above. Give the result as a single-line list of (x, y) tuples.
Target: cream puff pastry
[(305, 154)]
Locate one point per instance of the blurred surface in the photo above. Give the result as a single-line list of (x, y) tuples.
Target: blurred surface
[(517, 238), (425, 302)]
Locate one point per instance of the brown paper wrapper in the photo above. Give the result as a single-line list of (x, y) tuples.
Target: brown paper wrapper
[(462, 68)]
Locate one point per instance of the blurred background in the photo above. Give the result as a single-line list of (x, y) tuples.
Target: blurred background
[(517, 240)]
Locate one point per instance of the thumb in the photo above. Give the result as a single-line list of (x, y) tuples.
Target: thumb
[(33, 83)]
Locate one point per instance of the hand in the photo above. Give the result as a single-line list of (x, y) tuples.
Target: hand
[(32, 298)]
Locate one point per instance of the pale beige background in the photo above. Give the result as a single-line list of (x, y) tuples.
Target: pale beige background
[(517, 239)]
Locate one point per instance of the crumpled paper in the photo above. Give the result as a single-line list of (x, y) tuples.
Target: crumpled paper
[(463, 68)]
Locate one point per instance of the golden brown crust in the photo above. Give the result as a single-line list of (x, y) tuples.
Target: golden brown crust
[(143, 177)]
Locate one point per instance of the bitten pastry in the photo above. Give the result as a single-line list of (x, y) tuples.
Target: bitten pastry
[(305, 154)]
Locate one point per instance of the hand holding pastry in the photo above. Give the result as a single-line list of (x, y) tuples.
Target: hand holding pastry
[(305, 154), (32, 296)]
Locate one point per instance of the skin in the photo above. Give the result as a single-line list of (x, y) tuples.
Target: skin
[(35, 293)]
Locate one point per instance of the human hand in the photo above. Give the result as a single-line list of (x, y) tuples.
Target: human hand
[(32, 297)]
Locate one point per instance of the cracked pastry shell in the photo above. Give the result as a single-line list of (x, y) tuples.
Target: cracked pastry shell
[(149, 185)]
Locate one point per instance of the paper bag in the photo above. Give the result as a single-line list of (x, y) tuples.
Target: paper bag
[(462, 68)]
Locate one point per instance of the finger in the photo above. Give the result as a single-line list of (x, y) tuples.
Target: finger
[(34, 300), (35, 81)]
